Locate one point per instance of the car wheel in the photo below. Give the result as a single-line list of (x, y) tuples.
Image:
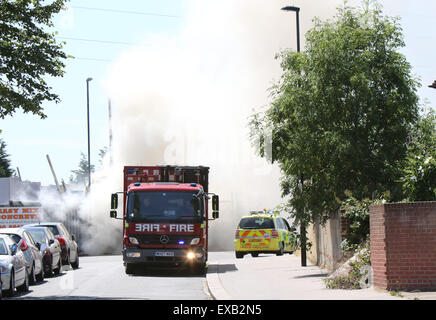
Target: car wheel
[(11, 291), (239, 255), (32, 275), (66, 262), (75, 264), (25, 286), (254, 254), (58, 268), (40, 276), (280, 252), (49, 268)]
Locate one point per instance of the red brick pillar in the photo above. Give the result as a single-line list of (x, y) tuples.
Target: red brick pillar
[(403, 245)]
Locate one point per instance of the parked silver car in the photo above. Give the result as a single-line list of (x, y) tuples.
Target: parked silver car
[(12, 267), (69, 247), (31, 252), (49, 247)]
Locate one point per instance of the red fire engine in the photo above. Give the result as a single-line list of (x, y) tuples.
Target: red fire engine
[(165, 216)]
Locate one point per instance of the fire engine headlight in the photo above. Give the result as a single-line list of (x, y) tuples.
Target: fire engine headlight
[(195, 241), (190, 255), (133, 240)]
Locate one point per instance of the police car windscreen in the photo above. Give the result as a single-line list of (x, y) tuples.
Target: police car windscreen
[(256, 223), (160, 205)]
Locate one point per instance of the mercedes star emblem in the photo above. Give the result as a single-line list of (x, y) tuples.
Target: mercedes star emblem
[(164, 239)]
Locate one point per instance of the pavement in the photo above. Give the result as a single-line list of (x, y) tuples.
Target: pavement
[(271, 277)]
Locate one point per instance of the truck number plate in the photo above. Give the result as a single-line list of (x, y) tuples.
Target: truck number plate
[(164, 254)]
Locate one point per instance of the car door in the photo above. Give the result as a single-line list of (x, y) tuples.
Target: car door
[(291, 236), (17, 260), (37, 256), (55, 248), (71, 243), (284, 233)]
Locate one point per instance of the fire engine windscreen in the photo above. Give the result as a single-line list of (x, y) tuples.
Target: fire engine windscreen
[(164, 205)]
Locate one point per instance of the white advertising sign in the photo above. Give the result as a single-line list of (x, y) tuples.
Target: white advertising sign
[(15, 217)]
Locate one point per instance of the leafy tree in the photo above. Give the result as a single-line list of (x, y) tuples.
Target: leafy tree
[(419, 172), (81, 174), (341, 113), (27, 54), (5, 163)]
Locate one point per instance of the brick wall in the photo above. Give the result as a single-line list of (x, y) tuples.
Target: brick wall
[(403, 245)]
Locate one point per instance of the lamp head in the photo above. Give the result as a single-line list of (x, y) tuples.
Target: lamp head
[(291, 8)]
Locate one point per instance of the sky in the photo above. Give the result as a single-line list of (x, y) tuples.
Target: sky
[(100, 39)]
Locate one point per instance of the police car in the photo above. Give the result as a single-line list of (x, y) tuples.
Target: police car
[(264, 232)]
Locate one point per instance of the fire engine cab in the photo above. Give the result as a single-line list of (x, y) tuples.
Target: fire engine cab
[(165, 216)]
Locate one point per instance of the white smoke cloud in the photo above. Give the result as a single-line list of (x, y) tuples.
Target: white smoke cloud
[(186, 100)]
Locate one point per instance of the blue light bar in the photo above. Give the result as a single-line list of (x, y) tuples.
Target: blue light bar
[(193, 184), (181, 242), (130, 170)]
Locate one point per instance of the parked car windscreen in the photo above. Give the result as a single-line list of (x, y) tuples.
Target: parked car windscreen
[(54, 229), (256, 223), (37, 235), (3, 249)]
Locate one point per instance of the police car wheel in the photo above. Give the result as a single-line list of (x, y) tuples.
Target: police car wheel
[(239, 255), (280, 252), (254, 254)]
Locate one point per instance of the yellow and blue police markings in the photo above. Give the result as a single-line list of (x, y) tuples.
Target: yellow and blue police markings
[(267, 240)]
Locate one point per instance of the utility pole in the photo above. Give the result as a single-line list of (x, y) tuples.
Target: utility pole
[(302, 222)]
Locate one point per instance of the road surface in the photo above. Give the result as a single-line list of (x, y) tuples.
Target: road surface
[(103, 277)]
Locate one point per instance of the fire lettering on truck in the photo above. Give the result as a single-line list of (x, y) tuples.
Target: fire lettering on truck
[(149, 227), (182, 227)]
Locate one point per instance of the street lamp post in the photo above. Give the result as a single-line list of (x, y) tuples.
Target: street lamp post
[(89, 148), (302, 222), (297, 12)]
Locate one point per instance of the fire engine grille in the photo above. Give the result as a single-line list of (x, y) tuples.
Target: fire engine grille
[(156, 239)]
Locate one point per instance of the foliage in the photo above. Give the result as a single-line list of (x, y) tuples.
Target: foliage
[(419, 171), (356, 212), (359, 275), (81, 174), (27, 54), (5, 163), (341, 113)]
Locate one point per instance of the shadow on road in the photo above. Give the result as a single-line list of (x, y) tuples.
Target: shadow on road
[(222, 268), (166, 272)]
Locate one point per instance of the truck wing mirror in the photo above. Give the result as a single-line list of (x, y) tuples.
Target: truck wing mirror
[(215, 206), (114, 201)]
